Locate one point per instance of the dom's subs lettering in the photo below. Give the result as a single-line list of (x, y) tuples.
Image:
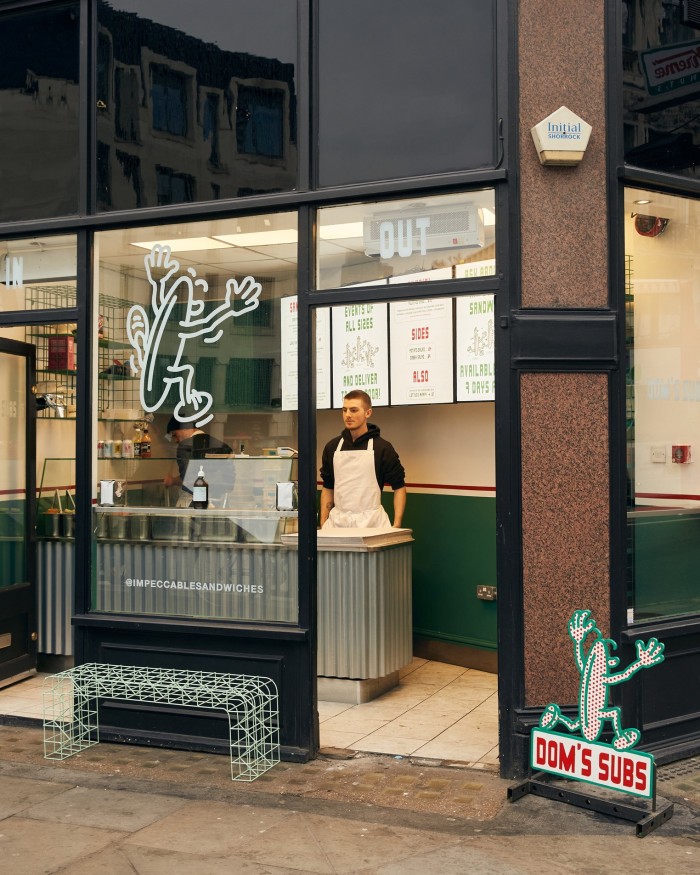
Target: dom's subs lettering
[(595, 763)]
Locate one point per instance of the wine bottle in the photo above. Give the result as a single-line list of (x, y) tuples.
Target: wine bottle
[(200, 491)]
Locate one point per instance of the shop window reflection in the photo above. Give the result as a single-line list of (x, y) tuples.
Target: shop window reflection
[(259, 121), (173, 187), (207, 113)]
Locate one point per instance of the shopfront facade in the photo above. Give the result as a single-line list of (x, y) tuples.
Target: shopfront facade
[(234, 225)]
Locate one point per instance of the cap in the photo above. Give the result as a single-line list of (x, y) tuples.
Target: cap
[(175, 424)]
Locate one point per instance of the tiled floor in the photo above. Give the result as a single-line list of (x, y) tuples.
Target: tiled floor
[(24, 699), (438, 711)]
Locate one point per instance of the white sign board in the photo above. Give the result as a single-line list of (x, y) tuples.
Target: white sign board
[(421, 351), (360, 352), (424, 276), (475, 348), (473, 269), (289, 342)]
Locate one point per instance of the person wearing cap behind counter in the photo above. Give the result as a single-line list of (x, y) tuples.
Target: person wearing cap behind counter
[(192, 443), (355, 467)]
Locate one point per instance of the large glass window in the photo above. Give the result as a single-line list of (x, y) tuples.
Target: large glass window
[(39, 103), (661, 85), (189, 361), (412, 240), (194, 106), (663, 403), (38, 273), (405, 88)]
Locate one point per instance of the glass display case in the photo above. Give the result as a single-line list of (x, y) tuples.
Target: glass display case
[(157, 555), (55, 507), (249, 500)]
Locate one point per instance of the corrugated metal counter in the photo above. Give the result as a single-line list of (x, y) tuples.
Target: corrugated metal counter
[(364, 602), (55, 596)]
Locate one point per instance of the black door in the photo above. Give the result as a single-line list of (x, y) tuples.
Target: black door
[(18, 606)]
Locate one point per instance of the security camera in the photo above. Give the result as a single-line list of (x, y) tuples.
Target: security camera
[(649, 226)]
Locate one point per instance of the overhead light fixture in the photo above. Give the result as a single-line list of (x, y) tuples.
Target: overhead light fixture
[(642, 201), (341, 231), (260, 238), (184, 244)]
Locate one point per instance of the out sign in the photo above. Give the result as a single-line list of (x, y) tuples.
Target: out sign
[(400, 236), (14, 271)]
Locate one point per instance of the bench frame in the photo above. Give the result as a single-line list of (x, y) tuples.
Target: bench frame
[(71, 718)]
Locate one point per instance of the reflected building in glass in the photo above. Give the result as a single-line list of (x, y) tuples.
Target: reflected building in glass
[(182, 120)]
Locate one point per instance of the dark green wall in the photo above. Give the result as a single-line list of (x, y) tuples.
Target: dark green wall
[(454, 550), (666, 565)]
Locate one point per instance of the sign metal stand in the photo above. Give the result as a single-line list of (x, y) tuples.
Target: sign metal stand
[(646, 821), (569, 757)]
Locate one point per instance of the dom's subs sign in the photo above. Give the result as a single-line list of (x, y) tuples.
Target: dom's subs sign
[(582, 756), (559, 754)]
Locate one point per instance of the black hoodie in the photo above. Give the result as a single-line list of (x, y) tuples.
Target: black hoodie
[(387, 464)]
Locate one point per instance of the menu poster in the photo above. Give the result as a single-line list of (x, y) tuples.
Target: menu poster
[(424, 276), (323, 358), (422, 361), (289, 343), (289, 347), (475, 348), (360, 352), (473, 269)]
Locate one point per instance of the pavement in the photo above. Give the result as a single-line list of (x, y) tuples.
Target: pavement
[(121, 809)]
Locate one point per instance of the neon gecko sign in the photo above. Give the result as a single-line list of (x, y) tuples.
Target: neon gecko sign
[(585, 758), (146, 333)]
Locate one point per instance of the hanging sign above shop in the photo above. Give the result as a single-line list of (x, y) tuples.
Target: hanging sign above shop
[(672, 67), (561, 138)]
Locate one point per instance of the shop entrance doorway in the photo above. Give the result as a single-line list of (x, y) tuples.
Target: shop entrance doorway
[(18, 603)]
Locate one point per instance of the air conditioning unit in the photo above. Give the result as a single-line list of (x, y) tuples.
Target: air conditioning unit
[(691, 13), (422, 229)]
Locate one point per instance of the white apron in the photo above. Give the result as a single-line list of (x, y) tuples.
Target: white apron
[(356, 494)]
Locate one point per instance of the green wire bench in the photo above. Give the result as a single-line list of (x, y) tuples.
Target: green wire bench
[(71, 721)]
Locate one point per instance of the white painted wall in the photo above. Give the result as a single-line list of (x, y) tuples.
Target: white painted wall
[(445, 444)]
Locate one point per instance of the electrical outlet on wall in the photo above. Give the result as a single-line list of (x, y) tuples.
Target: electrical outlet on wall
[(658, 454)]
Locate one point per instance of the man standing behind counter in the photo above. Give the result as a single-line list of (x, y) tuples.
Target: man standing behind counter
[(355, 467), (192, 443)]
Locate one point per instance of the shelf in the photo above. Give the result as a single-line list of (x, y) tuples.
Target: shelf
[(108, 343)]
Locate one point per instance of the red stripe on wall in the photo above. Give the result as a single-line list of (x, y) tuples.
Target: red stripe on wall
[(675, 496)]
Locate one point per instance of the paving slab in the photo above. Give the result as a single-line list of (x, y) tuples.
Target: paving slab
[(27, 850), (127, 810), (105, 808), (18, 794)]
